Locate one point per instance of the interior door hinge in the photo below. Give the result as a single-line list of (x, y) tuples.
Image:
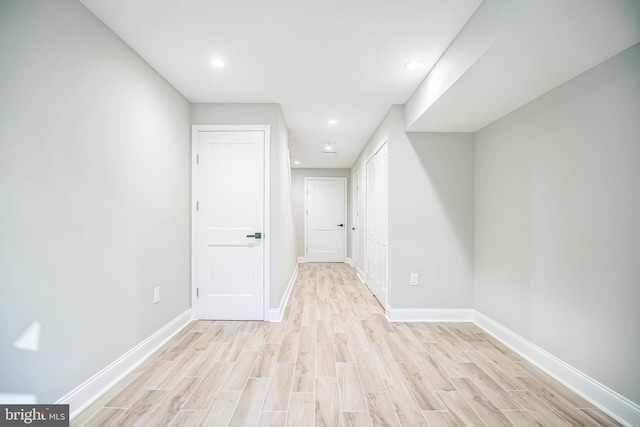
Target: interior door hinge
[(197, 206), (197, 159), (197, 292)]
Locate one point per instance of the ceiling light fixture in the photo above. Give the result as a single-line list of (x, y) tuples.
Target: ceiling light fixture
[(330, 148), (413, 65), (296, 162), (333, 122), (218, 63)]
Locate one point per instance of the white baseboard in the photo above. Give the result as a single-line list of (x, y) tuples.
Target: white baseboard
[(350, 262), (301, 260), (429, 314), (614, 404), (87, 392), (275, 314)]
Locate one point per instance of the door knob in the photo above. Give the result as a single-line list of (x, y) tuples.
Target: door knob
[(255, 235), (340, 225), (353, 228)]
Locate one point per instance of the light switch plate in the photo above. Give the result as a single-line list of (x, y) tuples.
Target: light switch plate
[(413, 279)]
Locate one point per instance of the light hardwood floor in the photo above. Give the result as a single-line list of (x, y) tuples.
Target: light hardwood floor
[(335, 361)]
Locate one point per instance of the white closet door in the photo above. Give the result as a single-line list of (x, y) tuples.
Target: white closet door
[(376, 243)]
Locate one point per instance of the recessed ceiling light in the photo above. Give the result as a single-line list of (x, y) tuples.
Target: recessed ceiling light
[(328, 147), (413, 65), (333, 122), (218, 63), (297, 162)]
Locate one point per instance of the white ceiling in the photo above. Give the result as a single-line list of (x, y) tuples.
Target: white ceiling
[(344, 59), (554, 41)]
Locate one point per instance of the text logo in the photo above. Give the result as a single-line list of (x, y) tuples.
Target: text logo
[(34, 415)]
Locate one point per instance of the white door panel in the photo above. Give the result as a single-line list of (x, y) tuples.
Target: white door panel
[(326, 215), (355, 221), (376, 251), (230, 264)]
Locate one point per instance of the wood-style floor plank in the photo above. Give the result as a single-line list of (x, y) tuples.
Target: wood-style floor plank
[(140, 408), (221, 409), (350, 389), (279, 387), (381, 410), (480, 403), (334, 360), (407, 409), (301, 410), (439, 419), (327, 408), (250, 404), (188, 419), (356, 419), (163, 413)]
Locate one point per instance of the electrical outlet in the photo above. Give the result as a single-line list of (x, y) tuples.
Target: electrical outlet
[(156, 295), (413, 279)]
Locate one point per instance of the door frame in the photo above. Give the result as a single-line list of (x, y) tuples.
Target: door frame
[(306, 210), (266, 236)]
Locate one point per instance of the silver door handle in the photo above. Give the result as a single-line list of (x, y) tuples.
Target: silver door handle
[(255, 235)]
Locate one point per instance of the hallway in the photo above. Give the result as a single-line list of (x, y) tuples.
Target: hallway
[(334, 360)]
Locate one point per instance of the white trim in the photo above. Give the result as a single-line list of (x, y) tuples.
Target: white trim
[(275, 314), (350, 262), (266, 240), (344, 179), (90, 390), (614, 404), (301, 260), (429, 314), (267, 217)]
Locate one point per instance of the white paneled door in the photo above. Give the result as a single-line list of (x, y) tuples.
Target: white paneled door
[(229, 258), (376, 242), (326, 219), (355, 221)]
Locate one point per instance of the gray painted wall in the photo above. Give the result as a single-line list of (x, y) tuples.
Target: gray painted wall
[(297, 177), (557, 245), (430, 214), (282, 242), (95, 196)]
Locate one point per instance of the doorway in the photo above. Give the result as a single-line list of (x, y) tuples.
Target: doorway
[(325, 219), (230, 226), (376, 217)]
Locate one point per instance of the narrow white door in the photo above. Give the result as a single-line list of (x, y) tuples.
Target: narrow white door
[(382, 227), (370, 222), (230, 220), (326, 215), (376, 243), (355, 219)]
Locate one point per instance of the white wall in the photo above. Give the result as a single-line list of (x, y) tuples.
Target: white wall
[(297, 176), (282, 242), (430, 214), (557, 245), (284, 233), (94, 196)]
